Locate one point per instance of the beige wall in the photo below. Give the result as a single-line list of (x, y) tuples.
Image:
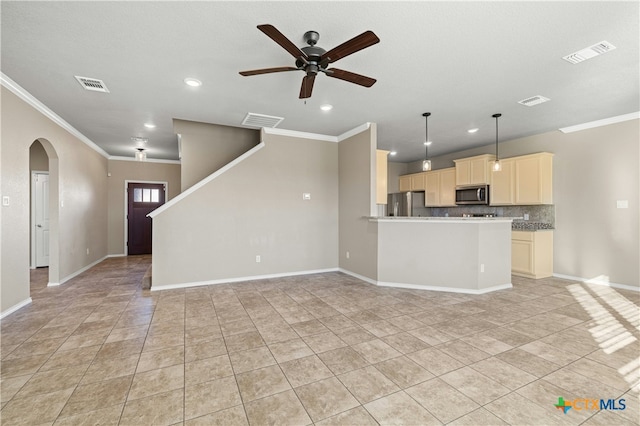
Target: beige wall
[(254, 208), (592, 169), (121, 171), (207, 147), (80, 216), (394, 171), (358, 236)]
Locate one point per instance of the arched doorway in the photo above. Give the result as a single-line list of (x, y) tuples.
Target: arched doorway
[(44, 208)]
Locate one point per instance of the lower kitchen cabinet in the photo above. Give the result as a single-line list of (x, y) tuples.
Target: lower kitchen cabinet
[(532, 254)]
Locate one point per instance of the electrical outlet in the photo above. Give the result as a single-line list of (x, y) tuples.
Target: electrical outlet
[(258, 260), (526, 216), (482, 267), (306, 196), (87, 250), (347, 255), (5, 200)]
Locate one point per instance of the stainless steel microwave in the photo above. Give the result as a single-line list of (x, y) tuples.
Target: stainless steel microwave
[(477, 194)]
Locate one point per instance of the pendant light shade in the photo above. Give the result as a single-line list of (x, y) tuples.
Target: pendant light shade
[(426, 164), (141, 155), (497, 166)]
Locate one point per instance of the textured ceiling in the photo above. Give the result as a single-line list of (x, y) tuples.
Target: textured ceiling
[(462, 61)]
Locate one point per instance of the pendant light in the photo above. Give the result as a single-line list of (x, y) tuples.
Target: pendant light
[(426, 164), (141, 155), (497, 166)]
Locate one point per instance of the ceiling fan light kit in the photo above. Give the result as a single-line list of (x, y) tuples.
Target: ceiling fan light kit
[(313, 59)]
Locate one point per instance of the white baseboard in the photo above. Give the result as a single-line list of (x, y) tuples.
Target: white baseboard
[(447, 289), (15, 307), (427, 287), (76, 273), (358, 276), (116, 255), (597, 282), (239, 279)]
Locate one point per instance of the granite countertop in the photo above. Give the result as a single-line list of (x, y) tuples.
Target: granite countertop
[(519, 225), (443, 219)]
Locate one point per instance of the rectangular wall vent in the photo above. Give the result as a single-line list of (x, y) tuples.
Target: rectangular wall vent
[(92, 84), (590, 52), (261, 120), (534, 100)]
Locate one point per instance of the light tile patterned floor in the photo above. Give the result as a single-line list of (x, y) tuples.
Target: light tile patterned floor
[(325, 349)]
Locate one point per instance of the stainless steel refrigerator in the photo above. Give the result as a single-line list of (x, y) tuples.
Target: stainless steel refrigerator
[(404, 203)]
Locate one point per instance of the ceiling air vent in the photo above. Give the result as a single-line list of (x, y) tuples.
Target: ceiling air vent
[(534, 100), (261, 120), (92, 84), (589, 52)]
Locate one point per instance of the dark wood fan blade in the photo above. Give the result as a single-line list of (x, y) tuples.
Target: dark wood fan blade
[(364, 40), (307, 86), (267, 71), (275, 35), (351, 77)]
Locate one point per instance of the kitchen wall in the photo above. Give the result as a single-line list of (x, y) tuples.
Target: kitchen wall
[(394, 171), (592, 169), (79, 221), (207, 147), (358, 236), (122, 171), (254, 208)]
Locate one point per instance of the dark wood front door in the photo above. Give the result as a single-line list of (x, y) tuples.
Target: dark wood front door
[(142, 198)]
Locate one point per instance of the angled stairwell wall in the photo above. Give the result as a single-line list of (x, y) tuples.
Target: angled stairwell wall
[(252, 207), (205, 148)]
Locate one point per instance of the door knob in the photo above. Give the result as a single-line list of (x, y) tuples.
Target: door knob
[(39, 226)]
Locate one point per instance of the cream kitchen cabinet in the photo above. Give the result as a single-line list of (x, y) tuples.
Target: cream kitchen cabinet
[(534, 179), (412, 182), (381, 176), (524, 180), (473, 170), (440, 188), (532, 254), (502, 185)]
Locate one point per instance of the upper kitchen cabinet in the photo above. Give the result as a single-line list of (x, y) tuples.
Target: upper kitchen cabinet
[(473, 170), (524, 180), (412, 182), (381, 176), (440, 188), (503, 183), (534, 179)]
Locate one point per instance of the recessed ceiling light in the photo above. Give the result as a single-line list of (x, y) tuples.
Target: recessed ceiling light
[(428, 143), (193, 82), (472, 130), (326, 107), (149, 125), (393, 153)]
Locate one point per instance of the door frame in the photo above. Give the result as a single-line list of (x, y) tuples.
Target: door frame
[(126, 205), (32, 227)]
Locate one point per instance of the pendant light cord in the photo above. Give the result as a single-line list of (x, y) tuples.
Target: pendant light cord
[(496, 116)]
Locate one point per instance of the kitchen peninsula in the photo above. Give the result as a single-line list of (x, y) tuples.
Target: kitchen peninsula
[(464, 255)]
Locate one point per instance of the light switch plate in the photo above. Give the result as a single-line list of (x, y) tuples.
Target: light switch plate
[(306, 196), (5, 200), (622, 204)]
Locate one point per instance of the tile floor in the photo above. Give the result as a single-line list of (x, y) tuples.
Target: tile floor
[(326, 349)]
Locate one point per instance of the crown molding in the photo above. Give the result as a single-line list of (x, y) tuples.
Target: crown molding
[(599, 123), (317, 136), (148, 160), (44, 110), (297, 134)]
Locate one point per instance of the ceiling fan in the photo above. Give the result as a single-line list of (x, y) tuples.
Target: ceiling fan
[(313, 59)]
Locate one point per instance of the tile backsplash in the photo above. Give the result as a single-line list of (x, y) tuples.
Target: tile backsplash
[(538, 213)]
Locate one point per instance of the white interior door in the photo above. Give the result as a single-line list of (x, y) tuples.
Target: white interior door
[(41, 222)]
